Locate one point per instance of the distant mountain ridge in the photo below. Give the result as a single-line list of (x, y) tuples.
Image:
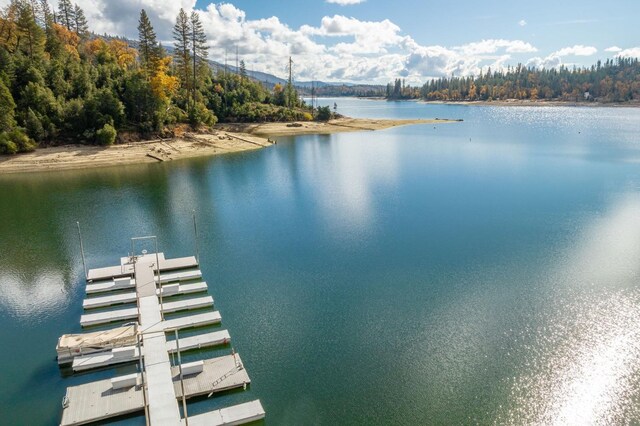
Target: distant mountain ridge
[(322, 88)]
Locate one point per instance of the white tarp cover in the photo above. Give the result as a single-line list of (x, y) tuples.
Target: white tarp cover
[(100, 339)]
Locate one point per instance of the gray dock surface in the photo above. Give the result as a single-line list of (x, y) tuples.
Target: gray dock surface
[(197, 320), (99, 318), (111, 285), (180, 276), (163, 406), (187, 304), (107, 358), (234, 415), (127, 269), (102, 359), (123, 298), (106, 317), (200, 341), (96, 401)]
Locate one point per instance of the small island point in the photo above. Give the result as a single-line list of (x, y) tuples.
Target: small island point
[(221, 139)]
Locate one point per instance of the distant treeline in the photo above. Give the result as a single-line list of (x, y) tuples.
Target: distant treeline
[(61, 83), (614, 81), (355, 90)]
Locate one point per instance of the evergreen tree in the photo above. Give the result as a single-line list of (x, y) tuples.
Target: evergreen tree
[(199, 49), (149, 49), (46, 16), (243, 69), (80, 22), (30, 36), (65, 13), (182, 45), (8, 29), (7, 109)]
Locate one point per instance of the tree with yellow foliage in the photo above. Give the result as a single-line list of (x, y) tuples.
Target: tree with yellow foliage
[(164, 86)]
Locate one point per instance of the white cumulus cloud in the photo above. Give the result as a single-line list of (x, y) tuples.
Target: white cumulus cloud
[(333, 48), (633, 52), (614, 49), (577, 50), (494, 45), (554, 60)]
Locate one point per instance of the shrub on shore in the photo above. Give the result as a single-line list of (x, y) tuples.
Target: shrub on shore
[(107, 135)]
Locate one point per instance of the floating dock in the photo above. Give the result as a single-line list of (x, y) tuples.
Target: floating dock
[(99, 318), (247, 412), (126, 266), (158, 388), (128, 354), (124, 298), (125, 283), (218, 375)]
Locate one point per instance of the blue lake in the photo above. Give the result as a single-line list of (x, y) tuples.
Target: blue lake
[(484, 271)]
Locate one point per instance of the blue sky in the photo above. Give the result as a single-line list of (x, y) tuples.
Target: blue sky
[(553, 24), (375, 41)]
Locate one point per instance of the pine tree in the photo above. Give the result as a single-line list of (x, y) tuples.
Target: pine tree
[(150, 50), (8, 29), (80, 22), (7, 109), (199, 49), (65, 13), (46, 15), (30, 36), (243, 69), (182, 45)]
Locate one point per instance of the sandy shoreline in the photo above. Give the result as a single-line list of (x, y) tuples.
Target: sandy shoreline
[(224, 139)]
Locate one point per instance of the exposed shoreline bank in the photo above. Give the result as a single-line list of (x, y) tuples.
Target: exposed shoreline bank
[(225, 138)]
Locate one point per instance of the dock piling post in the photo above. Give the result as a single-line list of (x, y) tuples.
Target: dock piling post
[(184, 399), (84, 263), (159, 282), (195, 236), (144, 390)]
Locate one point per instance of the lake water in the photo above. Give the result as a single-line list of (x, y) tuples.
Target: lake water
[(477, 272)]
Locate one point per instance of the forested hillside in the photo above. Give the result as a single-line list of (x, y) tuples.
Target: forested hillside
[(614, 81), (60, 83)]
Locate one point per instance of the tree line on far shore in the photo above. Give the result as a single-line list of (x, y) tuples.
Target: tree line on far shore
[(612, 81), (59, 83)]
